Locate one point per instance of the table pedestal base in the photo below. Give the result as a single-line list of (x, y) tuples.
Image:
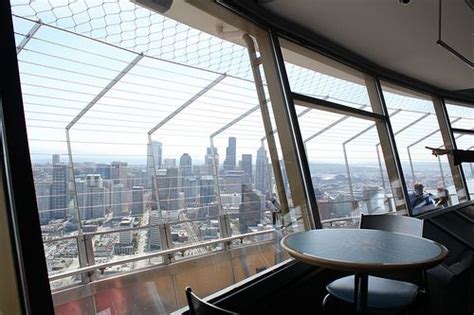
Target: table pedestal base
[(361, 284)]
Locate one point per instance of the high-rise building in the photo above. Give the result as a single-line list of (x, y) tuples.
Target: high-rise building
[(250, 210), (154, 231), (169, 163), (94, 197), (173, 189), (119, 205), (246, 166), (137, 200), (154, 152), (59, 191), (261, 169), (104, 170), (191, 190), (126, 237), (206, 190), (185, 169), (186, 165), (119, 172), (230, 158), (211, 155), (232, 181), (43, 200), (56, 159)]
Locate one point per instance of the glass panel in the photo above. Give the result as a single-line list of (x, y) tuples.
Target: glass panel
[(466, 111), (347, 167), (317, 76), (126, 149), (415, 127)]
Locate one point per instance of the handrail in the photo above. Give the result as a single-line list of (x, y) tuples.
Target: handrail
[(152, 255)]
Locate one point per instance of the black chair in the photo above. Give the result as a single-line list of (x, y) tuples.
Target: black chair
[(198, 306), (383, 293)]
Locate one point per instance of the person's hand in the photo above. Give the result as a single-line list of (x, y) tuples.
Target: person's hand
[(436, 151)]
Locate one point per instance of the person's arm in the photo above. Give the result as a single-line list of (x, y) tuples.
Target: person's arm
[(459, 156)]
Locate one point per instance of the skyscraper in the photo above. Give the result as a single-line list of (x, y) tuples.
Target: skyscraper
[(206, 190), (250, 210), (169, 163), (119, 172), (59, 191), (186, 165), (261, 181), (246, 166), (94, 197), (154, 151), (43, 200), (119, 206), (185, 169), (154, 232), (172, 184), (56, 159), (229, 162), (104, 170), (209, 161), (137, 200)]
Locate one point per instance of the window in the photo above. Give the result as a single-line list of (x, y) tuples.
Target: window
[(416, 127), (145, 135), (341, 131)]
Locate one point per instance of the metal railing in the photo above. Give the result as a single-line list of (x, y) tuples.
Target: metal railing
[(171, 251)]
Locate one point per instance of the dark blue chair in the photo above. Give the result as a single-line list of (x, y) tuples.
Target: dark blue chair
[(198, 306), (383, 293)]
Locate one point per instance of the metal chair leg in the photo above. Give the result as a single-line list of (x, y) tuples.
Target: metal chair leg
[(325, 302)]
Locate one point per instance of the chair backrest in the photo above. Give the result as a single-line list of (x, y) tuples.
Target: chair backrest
[(392, 223), (198, 306)]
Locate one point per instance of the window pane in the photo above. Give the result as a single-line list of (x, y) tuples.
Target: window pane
[(143, 154), (347, 167), (314, 75), (461, 110), (416, 127)]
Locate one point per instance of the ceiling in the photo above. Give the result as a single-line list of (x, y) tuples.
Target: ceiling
[(398, 37)]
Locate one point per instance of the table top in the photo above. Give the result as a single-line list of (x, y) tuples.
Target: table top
[(362, 250)]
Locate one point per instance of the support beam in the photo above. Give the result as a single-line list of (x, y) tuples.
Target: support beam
[(267, 125), (337, 122), (296, 163), (187, 103), (317, 103), (388, 145), (72, 189), (28, 36), (163, 236)]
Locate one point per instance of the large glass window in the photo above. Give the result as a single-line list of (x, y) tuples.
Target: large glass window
[(314, 75), (146, 134), (416, 127), (341, 137)]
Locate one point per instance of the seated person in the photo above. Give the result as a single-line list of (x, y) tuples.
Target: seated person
[(419, 198), (443, 199)]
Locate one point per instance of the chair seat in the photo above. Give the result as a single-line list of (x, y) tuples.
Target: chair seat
[(382, 293)]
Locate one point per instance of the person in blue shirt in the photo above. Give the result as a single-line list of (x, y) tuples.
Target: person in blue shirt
[(419, 198)]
